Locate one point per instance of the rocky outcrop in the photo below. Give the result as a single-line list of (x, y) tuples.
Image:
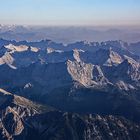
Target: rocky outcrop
[(86, 74), (14, 111)]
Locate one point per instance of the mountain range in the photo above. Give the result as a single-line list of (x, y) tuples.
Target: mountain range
[(82, 90)]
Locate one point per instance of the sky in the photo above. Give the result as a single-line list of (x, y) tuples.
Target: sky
[(70, 12)]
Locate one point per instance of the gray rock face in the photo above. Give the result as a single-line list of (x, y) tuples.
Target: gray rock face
[(14, 110), (86, 74), (80, 72)]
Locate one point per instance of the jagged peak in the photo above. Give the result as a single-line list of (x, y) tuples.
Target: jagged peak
[(115, 57), (19, 48), (130, 63), (33, 49), (109, 57), (130, 60), (76, 55), (52, 50)]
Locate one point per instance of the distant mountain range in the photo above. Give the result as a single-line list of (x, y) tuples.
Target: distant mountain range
[(70, 34), (89, 90)]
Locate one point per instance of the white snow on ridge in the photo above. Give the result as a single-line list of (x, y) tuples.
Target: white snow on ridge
[(20, 48), (34, 49)]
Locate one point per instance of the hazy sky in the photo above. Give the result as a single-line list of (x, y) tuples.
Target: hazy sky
[(70, 12)]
